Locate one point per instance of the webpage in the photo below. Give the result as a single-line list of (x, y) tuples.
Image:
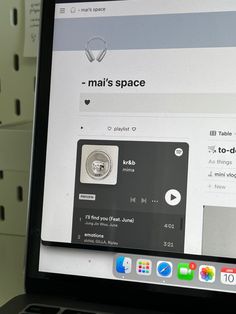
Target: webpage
[(141, 140)]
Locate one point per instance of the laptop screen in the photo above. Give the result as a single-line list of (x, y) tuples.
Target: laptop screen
[(140, 173)]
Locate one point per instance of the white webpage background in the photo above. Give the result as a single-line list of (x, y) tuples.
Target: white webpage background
[(173, 71)]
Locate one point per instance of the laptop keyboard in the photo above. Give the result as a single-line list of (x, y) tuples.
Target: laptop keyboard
[(38, 309)]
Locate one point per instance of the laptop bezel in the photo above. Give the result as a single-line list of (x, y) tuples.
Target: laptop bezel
[(91, 289)]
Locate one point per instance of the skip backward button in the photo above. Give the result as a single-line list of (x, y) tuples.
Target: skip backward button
[(173, 197)]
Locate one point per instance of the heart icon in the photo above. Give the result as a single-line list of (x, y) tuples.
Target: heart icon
[(87, 101), (134, 129)]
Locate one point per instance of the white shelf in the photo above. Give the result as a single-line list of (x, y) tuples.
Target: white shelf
[(17, 80)]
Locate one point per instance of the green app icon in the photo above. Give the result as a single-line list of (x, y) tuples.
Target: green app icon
[(185, 271)]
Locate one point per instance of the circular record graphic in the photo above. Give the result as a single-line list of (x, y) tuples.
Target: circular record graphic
[(98, 165)]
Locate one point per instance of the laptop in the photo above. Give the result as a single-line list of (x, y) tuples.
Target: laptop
[(132, 203)]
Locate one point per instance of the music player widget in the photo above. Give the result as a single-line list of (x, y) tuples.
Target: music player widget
[(121, 187)]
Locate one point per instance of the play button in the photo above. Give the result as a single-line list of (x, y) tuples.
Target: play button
[(173, 197)]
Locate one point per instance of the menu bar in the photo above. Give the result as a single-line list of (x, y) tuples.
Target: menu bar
[(139, 7)]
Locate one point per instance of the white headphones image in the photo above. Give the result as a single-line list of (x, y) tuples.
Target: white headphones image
[(89, 53)]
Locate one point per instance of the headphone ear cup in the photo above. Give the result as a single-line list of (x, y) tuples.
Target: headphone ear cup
[(89, 55), (101, 55)]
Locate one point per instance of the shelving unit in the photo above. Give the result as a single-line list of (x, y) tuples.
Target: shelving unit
[(17, 83)]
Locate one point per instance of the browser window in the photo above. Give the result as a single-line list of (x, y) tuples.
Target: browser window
[(140, 172)]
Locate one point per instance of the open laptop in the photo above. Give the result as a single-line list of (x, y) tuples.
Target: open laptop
[(132, 200)]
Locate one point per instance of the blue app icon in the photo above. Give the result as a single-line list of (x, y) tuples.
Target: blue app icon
[(123, 265), (164, 269)]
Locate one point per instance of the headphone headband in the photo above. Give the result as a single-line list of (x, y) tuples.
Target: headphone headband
[(89, 52), (94, 39)]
